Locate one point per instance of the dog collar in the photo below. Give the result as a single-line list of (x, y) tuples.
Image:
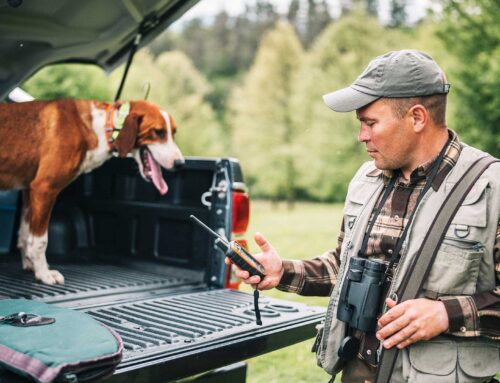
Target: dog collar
[(115, 118)]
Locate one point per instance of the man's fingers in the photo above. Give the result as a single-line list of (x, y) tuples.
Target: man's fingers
[(398, 324), (253, 280), (243, 274), (390, 303), (262, 242), (405, 337), (393, 313)]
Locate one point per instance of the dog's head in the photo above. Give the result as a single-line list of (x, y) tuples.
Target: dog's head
[(148, 133)]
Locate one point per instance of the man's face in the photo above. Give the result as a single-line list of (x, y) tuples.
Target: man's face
[(388, 139)]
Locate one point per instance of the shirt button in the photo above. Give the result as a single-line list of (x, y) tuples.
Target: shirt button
[(368, 352), (390, 251), (463, 329)]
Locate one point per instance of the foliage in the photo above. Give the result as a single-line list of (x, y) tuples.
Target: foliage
[(226, 46), (471, 31), (264, 114), (249, 87), (398, 13), (339, 55), (178, 88), (309, 18), (69, 80)]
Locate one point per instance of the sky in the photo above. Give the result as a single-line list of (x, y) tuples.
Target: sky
[(209, 8)]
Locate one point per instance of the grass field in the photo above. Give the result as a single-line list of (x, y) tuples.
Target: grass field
[(304, 232)]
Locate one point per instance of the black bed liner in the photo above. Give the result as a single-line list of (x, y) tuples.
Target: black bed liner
[(87, 281), (168, 322), (134, 261)]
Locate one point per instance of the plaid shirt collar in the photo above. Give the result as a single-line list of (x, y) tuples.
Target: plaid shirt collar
[(449, 160)]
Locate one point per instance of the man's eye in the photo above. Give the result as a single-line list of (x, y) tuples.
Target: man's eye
[(160, 133)]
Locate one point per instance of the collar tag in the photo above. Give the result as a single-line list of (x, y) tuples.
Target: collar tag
[(120, 119)]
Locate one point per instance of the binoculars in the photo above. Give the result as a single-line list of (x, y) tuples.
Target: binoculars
[(359, 302)]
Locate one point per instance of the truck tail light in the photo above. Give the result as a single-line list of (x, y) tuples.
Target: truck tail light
[(241, 217), (241, 212)]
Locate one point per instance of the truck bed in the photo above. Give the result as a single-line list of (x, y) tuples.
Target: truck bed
[(135, 261), (171, 326)]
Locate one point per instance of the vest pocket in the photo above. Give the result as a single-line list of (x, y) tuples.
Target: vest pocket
[(431, 362), (445, 361), (456, 267)]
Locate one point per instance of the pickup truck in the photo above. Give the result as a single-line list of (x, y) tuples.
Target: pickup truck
[(133, 259)]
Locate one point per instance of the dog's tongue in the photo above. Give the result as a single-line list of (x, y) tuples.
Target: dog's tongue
[(156, 177)]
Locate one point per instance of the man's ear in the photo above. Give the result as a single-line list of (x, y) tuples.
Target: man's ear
[(127, 137), (420, 117)]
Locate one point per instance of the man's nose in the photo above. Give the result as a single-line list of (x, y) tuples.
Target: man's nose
[(364, 134)]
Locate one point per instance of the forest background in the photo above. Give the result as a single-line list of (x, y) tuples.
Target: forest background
[(250, 85)]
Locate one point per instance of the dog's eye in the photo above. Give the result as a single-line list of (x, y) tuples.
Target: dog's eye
[(160, 133)]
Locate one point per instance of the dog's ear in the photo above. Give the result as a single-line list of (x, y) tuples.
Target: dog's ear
[(125, 141)]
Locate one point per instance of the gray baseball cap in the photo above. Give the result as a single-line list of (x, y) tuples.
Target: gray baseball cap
[(405, 73)]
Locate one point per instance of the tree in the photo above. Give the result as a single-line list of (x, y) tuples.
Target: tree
[(179, 88), (69, 80), (309, 18), (264, 116), (339, 55), (471, 31), (398, 13)]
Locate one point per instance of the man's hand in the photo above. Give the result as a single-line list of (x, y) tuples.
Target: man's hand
[(271, 261), (411, 321)]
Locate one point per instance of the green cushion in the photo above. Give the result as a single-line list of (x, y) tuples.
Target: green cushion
[(75, 338)]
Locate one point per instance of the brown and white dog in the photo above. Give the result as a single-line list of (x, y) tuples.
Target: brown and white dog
[(44, 145)]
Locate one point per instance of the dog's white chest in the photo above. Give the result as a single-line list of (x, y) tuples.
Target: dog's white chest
[(94, 158)]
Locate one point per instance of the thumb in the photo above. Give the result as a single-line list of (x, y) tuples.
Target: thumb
[(390, 303), (262, 242)]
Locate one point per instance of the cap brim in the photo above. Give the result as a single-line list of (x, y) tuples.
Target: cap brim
[(348, 99)]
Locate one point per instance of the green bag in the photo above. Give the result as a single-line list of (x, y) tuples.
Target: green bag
[(47, 343)]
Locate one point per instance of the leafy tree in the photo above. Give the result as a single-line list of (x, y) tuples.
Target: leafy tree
[(336, 59), (398, 13), (471, 31), (69, 80), (309, 17), (371, 7), (264, 116)]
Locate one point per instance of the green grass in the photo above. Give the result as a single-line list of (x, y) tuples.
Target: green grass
[(304, 232)]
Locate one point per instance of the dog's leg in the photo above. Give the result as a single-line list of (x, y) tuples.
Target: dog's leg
[(22, 240), (42, 200)]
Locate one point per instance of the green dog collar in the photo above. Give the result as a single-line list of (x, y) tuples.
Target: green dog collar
[(120, 119)]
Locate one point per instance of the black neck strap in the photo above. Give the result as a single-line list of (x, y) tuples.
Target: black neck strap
[(395, 255), (388, 189)]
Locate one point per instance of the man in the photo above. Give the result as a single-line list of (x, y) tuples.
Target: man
[(451, 331)]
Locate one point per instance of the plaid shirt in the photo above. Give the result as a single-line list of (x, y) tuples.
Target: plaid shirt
[(476, 315)]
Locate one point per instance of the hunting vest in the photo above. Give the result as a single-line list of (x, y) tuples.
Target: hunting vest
[(464, 265)]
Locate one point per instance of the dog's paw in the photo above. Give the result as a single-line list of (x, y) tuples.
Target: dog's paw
[(50, 277), (27, 264)]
